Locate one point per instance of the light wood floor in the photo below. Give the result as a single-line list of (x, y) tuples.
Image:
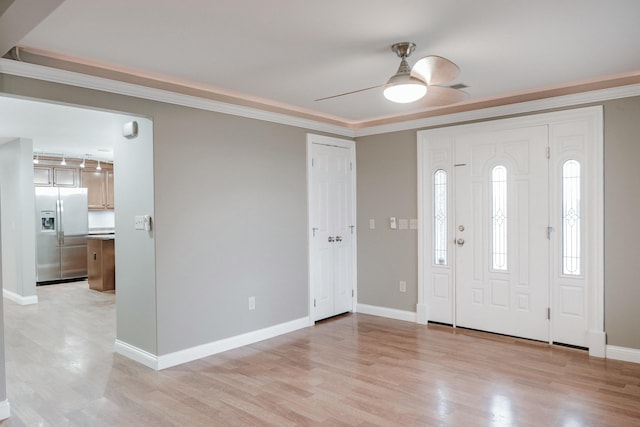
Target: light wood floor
[(351, 370)]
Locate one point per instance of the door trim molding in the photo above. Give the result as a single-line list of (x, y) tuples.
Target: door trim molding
[(351, 146), (594, 115)]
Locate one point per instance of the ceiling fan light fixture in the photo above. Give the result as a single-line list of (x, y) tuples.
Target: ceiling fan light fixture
[(404, 89)]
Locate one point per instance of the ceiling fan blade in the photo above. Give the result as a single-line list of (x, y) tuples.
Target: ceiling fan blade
[(438, 96), (348, 93), (435, 70)]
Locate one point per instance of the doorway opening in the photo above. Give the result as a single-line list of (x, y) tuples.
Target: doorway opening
[(95, 139)]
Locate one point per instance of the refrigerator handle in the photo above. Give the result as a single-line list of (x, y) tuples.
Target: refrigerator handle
[(59, 208)]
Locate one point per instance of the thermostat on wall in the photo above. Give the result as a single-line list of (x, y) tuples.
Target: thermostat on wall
[(130, 130)]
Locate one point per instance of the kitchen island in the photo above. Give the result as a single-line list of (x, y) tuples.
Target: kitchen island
[(101, 269)]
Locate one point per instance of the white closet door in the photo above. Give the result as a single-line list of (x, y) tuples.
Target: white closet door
[(332, 230)]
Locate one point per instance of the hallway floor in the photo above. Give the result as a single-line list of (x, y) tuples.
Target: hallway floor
[(349, 370)]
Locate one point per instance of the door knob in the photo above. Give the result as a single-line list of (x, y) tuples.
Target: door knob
[(331, 239), (460, 242)]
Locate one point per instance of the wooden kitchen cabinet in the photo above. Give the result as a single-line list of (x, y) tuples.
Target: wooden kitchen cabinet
[(48, 176), (101, 268), (99, 185)]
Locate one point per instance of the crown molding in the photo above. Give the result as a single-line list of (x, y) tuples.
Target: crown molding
[(506, 110), (54, 75)]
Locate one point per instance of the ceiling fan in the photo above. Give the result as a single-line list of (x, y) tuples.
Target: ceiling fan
[(423, 80)]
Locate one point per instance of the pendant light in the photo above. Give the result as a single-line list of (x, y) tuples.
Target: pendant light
[(82, 165), (36, 160), (63, 162), (98, 168)]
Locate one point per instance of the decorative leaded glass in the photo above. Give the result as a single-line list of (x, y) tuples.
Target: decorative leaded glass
[(499, 218), (571, 218), (440, 217)]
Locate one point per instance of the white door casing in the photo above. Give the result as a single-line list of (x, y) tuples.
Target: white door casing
[(575, 134), (332, 238)]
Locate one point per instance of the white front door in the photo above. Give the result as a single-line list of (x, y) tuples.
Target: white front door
[(332, 226), (500, 230), (531, 232)]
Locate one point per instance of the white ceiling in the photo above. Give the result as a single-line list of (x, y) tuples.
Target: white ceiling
[(290, 52), (60, 129)]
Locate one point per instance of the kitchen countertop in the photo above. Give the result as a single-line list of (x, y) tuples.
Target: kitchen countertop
[(93, 231), (101, 236)]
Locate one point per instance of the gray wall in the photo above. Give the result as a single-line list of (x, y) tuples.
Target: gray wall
[(622, 212), (231, 223), (387, 167), (18, 217), (135, 249), (387, 187)]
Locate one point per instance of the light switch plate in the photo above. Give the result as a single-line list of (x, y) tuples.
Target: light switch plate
[(372, 224), (402, 287), (139, 222), (403, 224), (413, 224)]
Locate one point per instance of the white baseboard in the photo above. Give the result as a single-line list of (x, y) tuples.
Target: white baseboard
[(209, 349), (134, 353), (183, 356), (5, 410), (623, 353), (19, 299), (391, 313)]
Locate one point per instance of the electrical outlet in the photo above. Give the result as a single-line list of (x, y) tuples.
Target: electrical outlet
[(403, 286), (252, 303)]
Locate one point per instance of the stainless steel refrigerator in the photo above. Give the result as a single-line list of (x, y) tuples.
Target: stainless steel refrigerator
[(61, 233)]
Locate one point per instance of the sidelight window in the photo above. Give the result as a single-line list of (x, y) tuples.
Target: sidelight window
[(571, 257), (499, 218), (440, 217)]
